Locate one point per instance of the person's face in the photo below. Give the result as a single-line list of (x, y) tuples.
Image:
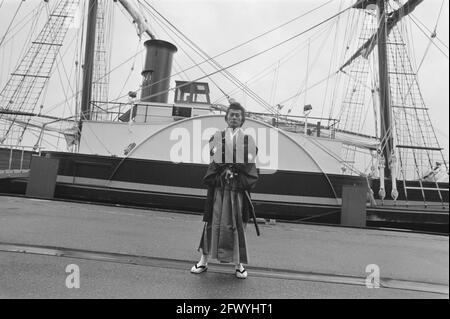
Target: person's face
[(234, 118)]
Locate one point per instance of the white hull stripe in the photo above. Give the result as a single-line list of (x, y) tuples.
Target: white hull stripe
[(192, 191), (428, 188), (412, 205)]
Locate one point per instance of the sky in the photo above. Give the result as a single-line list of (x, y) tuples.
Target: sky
[(218, 25)]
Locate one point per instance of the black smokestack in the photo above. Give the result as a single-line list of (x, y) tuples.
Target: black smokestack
[(157, 70)]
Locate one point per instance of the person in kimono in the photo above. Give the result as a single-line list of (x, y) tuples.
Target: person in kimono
[(230, 176)]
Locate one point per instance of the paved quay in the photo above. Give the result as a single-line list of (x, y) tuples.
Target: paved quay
[(141, 253)]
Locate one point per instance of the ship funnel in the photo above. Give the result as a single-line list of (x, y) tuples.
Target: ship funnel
[(157, 71)]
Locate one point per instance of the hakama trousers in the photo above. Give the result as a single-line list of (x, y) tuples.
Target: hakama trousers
[(223, 238)]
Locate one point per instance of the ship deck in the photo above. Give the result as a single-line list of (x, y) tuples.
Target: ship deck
[(143, 253)]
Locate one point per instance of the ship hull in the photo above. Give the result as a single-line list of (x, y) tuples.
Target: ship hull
[(151, 183), (284, 195)]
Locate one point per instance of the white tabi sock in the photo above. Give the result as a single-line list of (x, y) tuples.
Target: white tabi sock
[(240, 267), (203, 260)]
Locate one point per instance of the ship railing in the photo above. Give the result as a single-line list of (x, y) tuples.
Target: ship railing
[(113, 111), (117, 111), (309, 125)]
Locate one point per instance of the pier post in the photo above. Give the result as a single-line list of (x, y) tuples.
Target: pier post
[(353, 212), (42, 180)]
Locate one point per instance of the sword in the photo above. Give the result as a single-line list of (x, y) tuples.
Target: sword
[(252, 210)]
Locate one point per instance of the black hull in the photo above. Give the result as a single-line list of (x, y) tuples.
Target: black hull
[(321, 192), (284, 195)]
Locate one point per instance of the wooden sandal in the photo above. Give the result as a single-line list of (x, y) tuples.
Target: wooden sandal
[(241, 274), (199, 269)]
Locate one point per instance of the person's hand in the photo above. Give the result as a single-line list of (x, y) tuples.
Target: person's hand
[(228, 175)]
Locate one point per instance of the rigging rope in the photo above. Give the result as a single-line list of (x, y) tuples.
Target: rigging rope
[(262, 102), (304, 83), (433, 35), (178, 69), (271, 68), (274, 84), (426, 35), (262, 51), (24, 21), (310, 87), (217, 66), (330, 67), (239, 62), (185, 52), (261, 35), (10, 24), (131, 70), (342, 54), (431, 32), (403, 98)]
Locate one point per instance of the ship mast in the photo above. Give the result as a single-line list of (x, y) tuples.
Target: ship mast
[(384, 93), (91, 30), (387, 22), (89, 60)]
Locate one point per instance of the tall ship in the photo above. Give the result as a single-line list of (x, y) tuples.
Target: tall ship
[(148, 146)]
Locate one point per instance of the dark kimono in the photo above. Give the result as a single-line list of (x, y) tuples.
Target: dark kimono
[(227, 209)]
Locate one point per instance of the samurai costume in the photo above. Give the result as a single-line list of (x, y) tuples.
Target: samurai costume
[(227, 209)]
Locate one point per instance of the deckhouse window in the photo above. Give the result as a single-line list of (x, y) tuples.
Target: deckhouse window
[(192, 92)]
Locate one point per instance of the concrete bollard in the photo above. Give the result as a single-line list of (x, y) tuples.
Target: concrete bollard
[(42, 180), (353, 211)]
